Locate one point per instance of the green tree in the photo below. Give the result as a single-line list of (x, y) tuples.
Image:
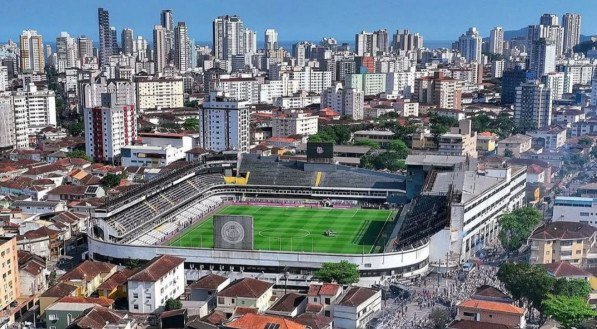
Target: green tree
[(191, 124), (343, 272), (585, 141), (567, 310), (400, 147), (110, 180), (173, 304), (78, 154), (530, 283), (76, 128), (508, 153), (516, 226), (572, 288), (191, 104), (367, 142)]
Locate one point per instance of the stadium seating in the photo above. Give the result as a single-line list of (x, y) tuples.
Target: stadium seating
[(162, 202), (428, 215)]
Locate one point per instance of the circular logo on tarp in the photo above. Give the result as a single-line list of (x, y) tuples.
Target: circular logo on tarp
[(233, 232)]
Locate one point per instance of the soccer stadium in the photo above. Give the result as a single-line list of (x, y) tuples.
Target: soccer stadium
[(265, 215)]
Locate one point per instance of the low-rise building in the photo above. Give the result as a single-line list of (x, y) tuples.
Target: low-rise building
[(9, 270), (459, 141), (162, 278), (246, 292), (356, 308), (515, 144), (251, 321), (485, 311), (549, 138), (294, 122), (289, 305), (575, 209), (564, 241), (381, 137), (324, 295), (486, 142), (88, 276)]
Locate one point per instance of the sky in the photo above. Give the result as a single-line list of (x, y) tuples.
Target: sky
[(294, 20)]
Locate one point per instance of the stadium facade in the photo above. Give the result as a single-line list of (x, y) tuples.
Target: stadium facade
[(138, 223)]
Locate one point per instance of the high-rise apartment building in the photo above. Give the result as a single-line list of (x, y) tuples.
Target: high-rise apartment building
[(181, 47), (85, 45), (447, 93), (32, 110), (382, 40), (510, 80), (404, 40), (160, 48), (105, 36), (228, 37), (224, 123), (533, 104), (167, 22), (469, 45), (115, 47), (271, 39), (548, 20), (32, 52), (346, 101), (571, 24), (496, 40), (107, 130), (7, 125), (66, 52), (366, 43), (127, 41), (10, 287), (543, 57), (159, 93), (250, 41)]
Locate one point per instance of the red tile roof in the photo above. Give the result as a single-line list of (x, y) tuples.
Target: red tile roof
[(326, 289), (215, 317), (87, 270), (117, 279), (288, 302), (314, 321), (209, 282), (157, 268), (467, 324), (491, 306), (564, 269), (258, 321), (356, 296), (60, 289), (95, 317), (564, 230), (247, 288), (101, 301)]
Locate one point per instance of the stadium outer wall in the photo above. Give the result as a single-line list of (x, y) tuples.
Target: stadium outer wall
[(405, 263)]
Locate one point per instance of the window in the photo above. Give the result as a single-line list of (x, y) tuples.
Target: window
[(136, 307), (327, 301), (135, 295), (53, 317), (469, 314)]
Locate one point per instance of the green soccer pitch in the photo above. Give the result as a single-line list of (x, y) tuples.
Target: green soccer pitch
[(302, 229)]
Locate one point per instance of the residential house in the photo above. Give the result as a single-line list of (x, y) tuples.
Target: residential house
[(54, 293), (356, 308), (32, 276), (515, 144), (314, 321), (206, 289), (39, 207), (75, 192), (486, 311), (573, 242), (321, 297), (115, 286), (252, 321), (162, 278), (88, 276), (246, 292), (486, 142), (548, 138), (565, 270), (101, 317), (289, 305)]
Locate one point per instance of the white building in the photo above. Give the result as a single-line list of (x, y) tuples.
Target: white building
[(241, 88), (161, 279), (346, 101), (571, 23), (33, 110), (356, 308), (3, 78), (228, 37), (245, 292), (406, 108), (7, 125), (401, 83), (479, 201), (496, 40), (159, 93), (156, 150), (575, 209), (469, 45), (543, 57), (107, 130), (224, 123), (32, 52), (294, 122), (369, 83), (555, 82), (497, 68)]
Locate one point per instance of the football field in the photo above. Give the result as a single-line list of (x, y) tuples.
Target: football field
[(302, 229)]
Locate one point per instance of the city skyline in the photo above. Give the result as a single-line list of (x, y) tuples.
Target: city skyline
[(261, 15)]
